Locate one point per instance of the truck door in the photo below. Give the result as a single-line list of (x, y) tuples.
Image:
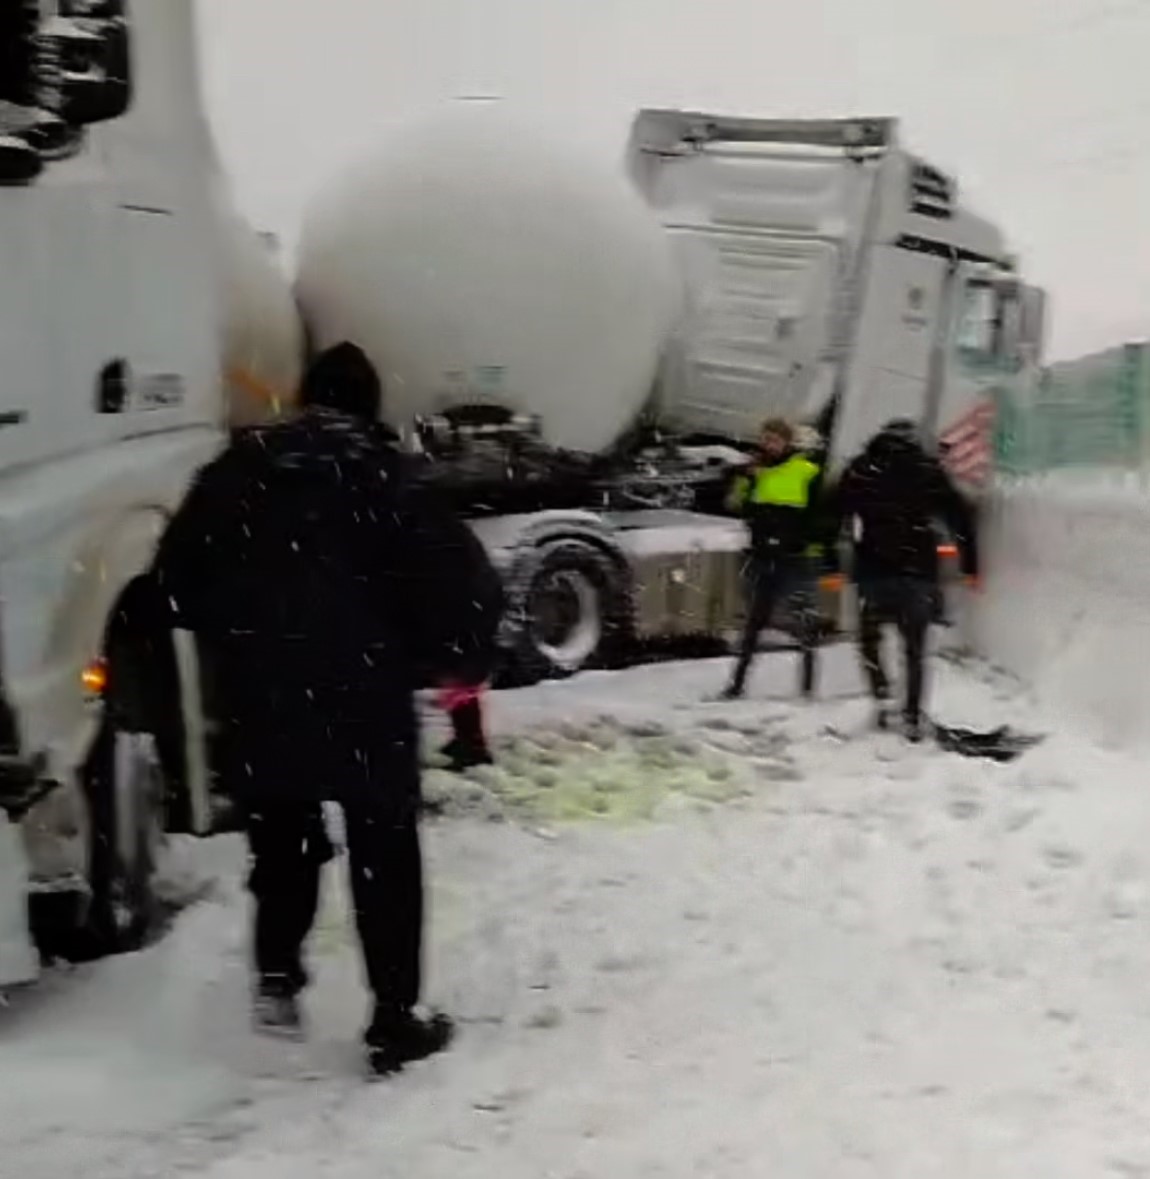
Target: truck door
[(896, 349), (993, 358)]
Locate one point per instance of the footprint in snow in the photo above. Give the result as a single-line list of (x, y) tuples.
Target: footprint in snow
[(965, 809), (644, 729), (620, 964), (1062, 858), (545, 1019), (1020, 819)]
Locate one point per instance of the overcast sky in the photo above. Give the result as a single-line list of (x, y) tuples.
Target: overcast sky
[(1041, 107)]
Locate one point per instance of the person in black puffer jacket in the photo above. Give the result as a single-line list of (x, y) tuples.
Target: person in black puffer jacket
[(329, 585), (896, 492)]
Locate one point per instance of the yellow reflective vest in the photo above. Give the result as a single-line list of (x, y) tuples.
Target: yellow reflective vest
[(786, 485), (767, 495)]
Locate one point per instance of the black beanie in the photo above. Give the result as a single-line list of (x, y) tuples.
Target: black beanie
[(343, 379)]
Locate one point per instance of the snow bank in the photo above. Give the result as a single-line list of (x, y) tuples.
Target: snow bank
[(1067, 606)]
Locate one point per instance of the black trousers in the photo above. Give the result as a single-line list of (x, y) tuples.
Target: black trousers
[(910, 604), (289, 846), (771, 584)]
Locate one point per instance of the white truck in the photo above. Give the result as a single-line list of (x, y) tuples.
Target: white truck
[(127, 289), (581, 384)]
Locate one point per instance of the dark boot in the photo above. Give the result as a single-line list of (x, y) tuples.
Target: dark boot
[(808, 671), (396, 1039), (913, 728), (461, 756), (469, 746), (885, 714), (276, 1009), (20, 163)]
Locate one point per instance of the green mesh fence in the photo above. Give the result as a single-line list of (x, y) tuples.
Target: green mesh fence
[(1093, 412)]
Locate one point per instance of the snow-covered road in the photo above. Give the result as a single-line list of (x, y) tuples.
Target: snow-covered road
[(822, 956)]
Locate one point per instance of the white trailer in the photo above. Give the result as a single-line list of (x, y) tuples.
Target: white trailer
[(118, 263)]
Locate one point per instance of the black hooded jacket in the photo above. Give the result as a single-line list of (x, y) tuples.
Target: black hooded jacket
[(328, 584), (897, 492)]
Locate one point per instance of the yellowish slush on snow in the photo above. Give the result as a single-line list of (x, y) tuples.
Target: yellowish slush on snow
[(610, 772)]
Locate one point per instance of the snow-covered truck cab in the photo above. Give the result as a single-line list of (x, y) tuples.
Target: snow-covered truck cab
[(834, 277), (112, 295)]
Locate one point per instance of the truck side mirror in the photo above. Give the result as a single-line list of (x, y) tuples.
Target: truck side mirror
[(94, 65)]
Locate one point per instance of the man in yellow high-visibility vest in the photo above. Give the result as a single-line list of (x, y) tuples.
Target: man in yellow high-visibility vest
[(778, 497)]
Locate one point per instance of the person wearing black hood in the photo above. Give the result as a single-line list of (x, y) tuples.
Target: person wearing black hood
[(328, 586), (895, 492)]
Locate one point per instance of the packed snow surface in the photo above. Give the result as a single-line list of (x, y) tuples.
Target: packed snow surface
[(682, 939)]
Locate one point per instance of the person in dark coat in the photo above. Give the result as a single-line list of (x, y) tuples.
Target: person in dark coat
[(895, 492), (778, 496), (328, 585)]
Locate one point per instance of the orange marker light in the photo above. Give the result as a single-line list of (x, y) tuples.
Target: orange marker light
[(94, 677), (947, 550), (254, 387)]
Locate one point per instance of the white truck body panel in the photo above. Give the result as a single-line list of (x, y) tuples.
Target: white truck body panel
[(97, 272), (123, 241), (890, 368), (73, 532), (125, 259)]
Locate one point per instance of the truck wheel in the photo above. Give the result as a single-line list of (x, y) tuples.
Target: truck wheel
[(575, 612), (128, 799), (128, 842)]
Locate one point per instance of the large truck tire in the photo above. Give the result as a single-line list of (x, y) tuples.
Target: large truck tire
[(127, 797), (127, 808), (573, 612)]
